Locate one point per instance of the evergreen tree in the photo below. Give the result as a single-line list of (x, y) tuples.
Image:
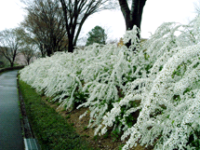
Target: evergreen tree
[(96, 35)]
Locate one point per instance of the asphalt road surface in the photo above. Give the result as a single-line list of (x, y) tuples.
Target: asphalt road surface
[(10, 130)]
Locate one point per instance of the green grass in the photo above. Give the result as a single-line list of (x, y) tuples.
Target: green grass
[(52, 130)]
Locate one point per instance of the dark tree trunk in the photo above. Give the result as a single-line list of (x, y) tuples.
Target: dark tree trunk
[(132, 16), (70, 47), (41, 46), (70, 43), (11, 64), (49, 52), (28, 61)]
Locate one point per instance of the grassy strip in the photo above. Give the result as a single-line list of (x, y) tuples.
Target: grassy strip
[(52, 130)]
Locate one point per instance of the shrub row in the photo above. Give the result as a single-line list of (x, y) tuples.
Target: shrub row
[(148, 93)]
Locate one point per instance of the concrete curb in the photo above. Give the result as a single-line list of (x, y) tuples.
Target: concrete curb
[(30, 141)]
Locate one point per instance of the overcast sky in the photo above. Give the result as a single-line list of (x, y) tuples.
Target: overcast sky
[(155, 13)]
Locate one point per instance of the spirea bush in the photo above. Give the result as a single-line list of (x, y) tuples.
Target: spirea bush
[(150, 96)]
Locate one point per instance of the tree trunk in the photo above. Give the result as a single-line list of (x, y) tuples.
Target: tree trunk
[(28, 61), (49, 52), (132, 16), (70, 45), (11, 64), (70, 48)]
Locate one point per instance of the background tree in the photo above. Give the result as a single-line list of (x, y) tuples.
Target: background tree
[(28, 53), (75, 14), (27, 45), (96, 35), (45, 25), (9, 45)]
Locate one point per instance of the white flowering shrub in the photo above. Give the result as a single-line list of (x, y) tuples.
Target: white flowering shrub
[(150, 96), (167, 100)]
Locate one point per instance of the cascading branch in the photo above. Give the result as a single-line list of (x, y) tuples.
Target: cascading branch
[(151, 96), (168, 99)]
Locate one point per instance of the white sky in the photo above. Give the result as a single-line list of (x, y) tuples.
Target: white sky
[(155, 13), (11, 14)]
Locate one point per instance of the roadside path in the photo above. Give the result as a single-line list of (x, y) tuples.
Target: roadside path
[(10, 129)]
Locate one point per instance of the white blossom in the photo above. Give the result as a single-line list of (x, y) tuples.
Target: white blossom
[(160, 81)]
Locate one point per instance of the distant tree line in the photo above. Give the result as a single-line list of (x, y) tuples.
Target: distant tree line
[(54, 25)]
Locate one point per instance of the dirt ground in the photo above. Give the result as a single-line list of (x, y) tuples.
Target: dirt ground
[(101, 142)]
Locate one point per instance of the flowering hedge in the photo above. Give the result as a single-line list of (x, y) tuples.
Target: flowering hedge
[(150, 96)]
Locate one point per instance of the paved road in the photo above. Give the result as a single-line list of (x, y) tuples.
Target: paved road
[(10, 130)]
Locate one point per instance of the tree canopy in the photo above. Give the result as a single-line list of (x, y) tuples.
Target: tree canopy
[(46, 26)]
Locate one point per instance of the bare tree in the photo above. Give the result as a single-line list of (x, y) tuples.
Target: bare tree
[(9, 45), (27, 45), (76, 12), (45, 24), (28, 54)]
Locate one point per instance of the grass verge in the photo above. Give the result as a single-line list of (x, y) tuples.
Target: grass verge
[(52, 130)]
